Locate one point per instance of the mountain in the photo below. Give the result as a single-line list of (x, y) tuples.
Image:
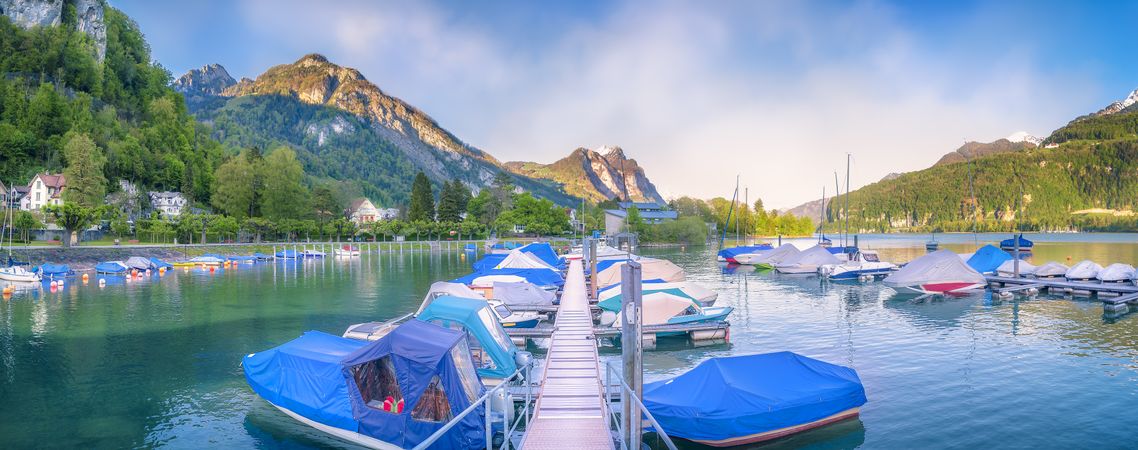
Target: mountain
[(595, 175), (972, 150), (811, 210), (1120, 106), (344, 127)]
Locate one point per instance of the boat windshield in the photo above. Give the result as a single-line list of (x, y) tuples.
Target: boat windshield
[(503, 311), (870, 257)]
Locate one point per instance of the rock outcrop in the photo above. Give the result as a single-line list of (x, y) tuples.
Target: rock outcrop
[(49, 13), (596, 175), (211, 79)]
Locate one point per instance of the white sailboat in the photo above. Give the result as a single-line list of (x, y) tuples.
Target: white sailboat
[(15, 273)]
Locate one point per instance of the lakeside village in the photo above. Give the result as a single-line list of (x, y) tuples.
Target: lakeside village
[(55, 209)]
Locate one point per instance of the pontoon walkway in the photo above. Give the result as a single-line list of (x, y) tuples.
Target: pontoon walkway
[(570, 410)]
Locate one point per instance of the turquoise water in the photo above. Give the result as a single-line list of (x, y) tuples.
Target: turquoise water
[(155, 363)]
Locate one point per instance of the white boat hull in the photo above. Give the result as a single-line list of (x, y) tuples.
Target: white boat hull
[(797, 269), (18, 275), (340, 433)]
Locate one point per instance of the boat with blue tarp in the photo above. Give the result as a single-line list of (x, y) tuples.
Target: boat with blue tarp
[(111, 268), (729, 254), (53, 271), (484, 279), (160, 264), (544, 252), (987, 259), (739, 400), (1009, 245), (493, 352), (287, 254), (391, 393)]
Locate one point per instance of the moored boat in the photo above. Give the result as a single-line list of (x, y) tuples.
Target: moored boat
[(808, 261), (704, 296), (731, 254), (664, 308), (939, 272), (1085, 270), (865, 264), (53, 271), (649, 269), (767, 260), (1009, 245), (111, 268), (987, 259), (1008, 268), (1051, 270), (391, 393), (746, 399), (18, 274), (346, 251), (1116, 273)]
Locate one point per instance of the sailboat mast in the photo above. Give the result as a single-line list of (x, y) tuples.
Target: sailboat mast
[(837, 192), (747, 202), (847, 209), (821, 216), (727, 222)]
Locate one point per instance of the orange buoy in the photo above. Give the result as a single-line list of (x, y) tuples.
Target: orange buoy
[(85, 277), (134, 272), (212, 268)]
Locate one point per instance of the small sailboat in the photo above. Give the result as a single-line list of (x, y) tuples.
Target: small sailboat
[(18, 274), (939, 272), (738, 400), (767, 260), (391, 393), (732, 254)]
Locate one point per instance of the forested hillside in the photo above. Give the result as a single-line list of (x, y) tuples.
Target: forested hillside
[(1089, 182)]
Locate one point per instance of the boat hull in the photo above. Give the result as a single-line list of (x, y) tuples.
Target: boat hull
[(781, 432), (946, 287), (19, 278), (798, 269), (531, 323), (339, 433)]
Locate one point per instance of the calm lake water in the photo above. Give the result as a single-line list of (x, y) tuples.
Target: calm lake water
[(155, 363)]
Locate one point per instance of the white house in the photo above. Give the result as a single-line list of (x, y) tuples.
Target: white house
[(44, 189), (170, 204), (362, 211)]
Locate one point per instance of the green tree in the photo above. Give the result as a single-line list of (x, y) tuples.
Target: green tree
[(84, 173), (234, 190), (326, 203), (633, 222), (285, 196), (25, 221), (258, 227), (422, 207), (72, 217), (453, 201)]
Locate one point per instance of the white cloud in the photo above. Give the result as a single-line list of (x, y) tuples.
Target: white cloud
[(777, 91)]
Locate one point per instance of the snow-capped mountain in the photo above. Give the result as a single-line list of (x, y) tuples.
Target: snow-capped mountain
[(1023, 136), (1120, 105)]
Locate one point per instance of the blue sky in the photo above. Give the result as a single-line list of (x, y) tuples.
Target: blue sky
[(778, 91)]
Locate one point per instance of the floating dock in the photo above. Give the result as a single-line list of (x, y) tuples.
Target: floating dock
[(570, 409), (1112, 295)]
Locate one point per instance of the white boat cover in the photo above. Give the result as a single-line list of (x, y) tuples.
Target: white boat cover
[(699, 293), (140, 263), (813, 256), (522, 294), (441, 288), (1007, 268), (518, 259), (609, 252), (1084, 270), (487, 281), (661, 306), (1116, 272), (777, 255), (936, 267), (650, 269), (1051, 269)]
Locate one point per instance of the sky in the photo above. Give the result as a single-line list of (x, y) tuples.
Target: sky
[(777, 92)]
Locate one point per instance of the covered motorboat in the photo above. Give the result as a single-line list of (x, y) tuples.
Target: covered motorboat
[(446, 288), (111, 268), (1051, 270), (767, 260), (53, 271), (939, 272), (206, 261), (1009, 245), (495, 356), (664, 308), (139, 263), (866, 264), (738, 400), (287, 254), (518, 259), (987, 259), (544, 252), (703, 296), (391, 393), (1085, 270), (807, 261), (650, 269), (483, 281), (346, 251), (1116, 273), (160, 264), (730, 254), (1007, 268)]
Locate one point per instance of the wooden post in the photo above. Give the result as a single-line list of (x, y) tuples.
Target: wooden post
[(630, 345), (1015, 256), (592, 268)]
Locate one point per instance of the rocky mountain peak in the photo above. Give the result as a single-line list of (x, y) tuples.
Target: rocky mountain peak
[(595, 174), (1118, 106), (211, 79)]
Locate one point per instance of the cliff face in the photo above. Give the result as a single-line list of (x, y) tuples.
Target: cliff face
[(49, 13), (211, 79), (596, 175)]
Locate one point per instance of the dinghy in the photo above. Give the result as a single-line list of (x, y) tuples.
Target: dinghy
[(737, 400), (1007, 269), (1051, 270), (391, 393), (767, 260), (939, 272), (1116, 273), (807, 261), (1085, 270)]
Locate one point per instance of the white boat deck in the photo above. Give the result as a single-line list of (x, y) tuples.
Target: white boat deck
[(570, 410)]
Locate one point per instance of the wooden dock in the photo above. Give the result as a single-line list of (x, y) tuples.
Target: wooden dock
[(570, 409), (602, 331), (1110, 294)]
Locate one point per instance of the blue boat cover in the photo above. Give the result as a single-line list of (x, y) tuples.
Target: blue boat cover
[(730, 253), (241, 258), (313, 377), (617, 285), (470, 247), (737, 396), (158, 263), (839, 250), (110, 267), (476, 318), (52, 270), (489, 261), (988, 258), (1011, 243), (262, 256), (286, 254), (540, 277), (544, 252)]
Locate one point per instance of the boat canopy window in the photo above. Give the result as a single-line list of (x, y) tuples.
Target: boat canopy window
[(503, 311), (378, 385), (460, 353), (870, 257), (690, 311), (433, 405), (495, 328), (482, 360)]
